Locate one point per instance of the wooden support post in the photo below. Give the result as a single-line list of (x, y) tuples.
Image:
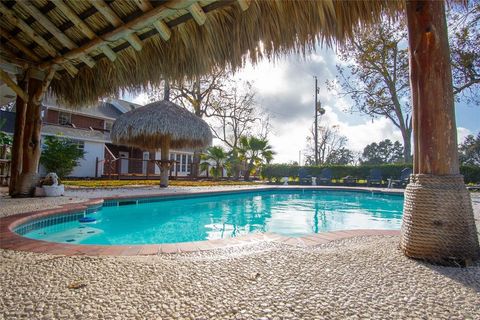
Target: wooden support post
[(96, 167), (17, 147), (165, 166), (26, 142), (438, 222), (31, 142)]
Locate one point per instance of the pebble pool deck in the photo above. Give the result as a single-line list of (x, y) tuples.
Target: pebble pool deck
[(363, 277)]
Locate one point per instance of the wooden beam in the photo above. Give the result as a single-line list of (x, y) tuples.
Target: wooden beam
[(19, 45), (19, 69), (12, 85), (244, 4), (160, 25), (38, 96), (52, 28), (113, 18), (197, 13), (160, 12), (19, 23), (163, 29), (83, 27), (144, 5)]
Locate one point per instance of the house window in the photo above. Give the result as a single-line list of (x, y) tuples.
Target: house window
[(64, 118), (184, 163), (108, 125), (80, 144)]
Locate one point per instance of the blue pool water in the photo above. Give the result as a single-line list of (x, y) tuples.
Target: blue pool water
[(287, 212)]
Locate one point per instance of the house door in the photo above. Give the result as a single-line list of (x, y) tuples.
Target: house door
[(123, 162), (146, 156)]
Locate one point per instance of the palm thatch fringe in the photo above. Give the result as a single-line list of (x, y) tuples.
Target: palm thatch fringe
[(148, 126), (229, 37)]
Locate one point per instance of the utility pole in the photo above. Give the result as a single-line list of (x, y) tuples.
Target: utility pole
[(318, 109), (316, 121)]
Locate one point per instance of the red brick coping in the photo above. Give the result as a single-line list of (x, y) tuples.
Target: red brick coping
[(14, 241)]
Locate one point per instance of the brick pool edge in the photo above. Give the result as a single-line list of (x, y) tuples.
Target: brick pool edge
[(13, 241)]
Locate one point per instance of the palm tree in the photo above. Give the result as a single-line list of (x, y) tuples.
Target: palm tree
[(218, 156), (254, 152)]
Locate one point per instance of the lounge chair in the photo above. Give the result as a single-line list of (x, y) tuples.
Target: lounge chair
[(474, 188), (325, 177), (304, 177), (375, 177), (403, 181)]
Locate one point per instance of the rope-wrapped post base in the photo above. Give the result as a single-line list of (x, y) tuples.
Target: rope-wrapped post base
[(438, 224)]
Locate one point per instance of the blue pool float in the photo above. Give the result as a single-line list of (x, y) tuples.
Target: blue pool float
[(87, 219)]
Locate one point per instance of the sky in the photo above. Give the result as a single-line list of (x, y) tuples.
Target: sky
[(285, 90)]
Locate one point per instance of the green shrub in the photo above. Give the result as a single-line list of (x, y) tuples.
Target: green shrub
[(275, 172), (60, 155), (470, 173)]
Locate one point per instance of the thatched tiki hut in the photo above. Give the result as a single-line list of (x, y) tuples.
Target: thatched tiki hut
[(100, 49), (161, 125)]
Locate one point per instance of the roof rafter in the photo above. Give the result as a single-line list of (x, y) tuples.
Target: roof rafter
[(244, 4), (19, 23), (160, 25), (197, 13), (19, 45), (160, 12), (62, 37), (83, 27), (115, 20)]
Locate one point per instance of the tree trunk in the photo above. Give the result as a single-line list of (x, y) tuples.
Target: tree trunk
[(17, 148), (249, 169), (438, 222), (165, 166), (407, 145), (236, 164), (195, 170)]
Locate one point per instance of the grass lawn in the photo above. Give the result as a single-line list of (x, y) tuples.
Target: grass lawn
[(126, 183)]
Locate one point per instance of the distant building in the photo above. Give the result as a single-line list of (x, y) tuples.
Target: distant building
[(89, 128)]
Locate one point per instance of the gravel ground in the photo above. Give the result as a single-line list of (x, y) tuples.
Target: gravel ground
[(349, 279)]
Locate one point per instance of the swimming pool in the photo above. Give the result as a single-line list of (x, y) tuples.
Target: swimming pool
[(217, 216)]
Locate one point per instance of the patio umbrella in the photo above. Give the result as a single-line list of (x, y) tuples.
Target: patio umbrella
[(161, 125)]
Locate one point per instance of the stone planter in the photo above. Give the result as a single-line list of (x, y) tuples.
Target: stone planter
[(54, 191)]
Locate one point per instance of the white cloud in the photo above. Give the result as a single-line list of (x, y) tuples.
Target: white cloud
[(288, 139), (372, 131), (141, 99), (462, 133)]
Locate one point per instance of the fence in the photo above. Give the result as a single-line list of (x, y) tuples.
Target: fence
[(5, 150), (131, 168)]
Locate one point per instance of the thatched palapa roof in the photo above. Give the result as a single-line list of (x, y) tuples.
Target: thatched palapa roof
[(146, 127), (104, 47)]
